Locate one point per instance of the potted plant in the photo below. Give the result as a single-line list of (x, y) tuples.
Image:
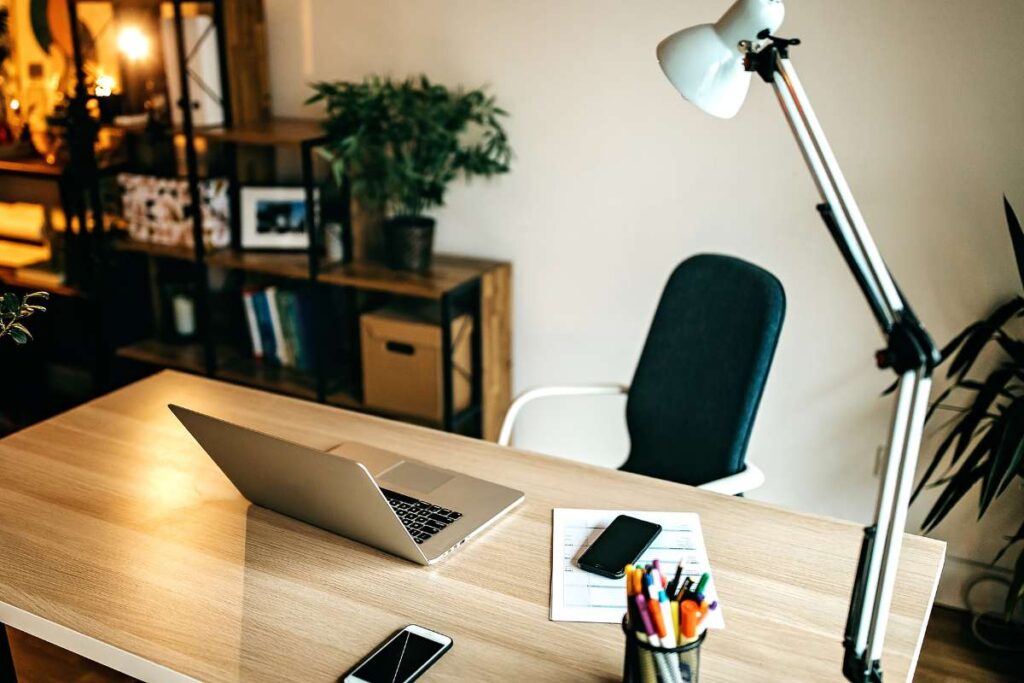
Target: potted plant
[(401, 144), (986, 441)]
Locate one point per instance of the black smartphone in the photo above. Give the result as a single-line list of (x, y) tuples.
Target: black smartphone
[(622, 543), (402, 658)]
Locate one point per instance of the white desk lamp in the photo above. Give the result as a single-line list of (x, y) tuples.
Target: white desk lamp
[(711, 66)]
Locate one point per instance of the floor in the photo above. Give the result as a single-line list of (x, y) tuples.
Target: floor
[(948, 655)]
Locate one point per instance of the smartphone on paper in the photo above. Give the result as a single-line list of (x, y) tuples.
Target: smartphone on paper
[(402, 658), (622, 543)]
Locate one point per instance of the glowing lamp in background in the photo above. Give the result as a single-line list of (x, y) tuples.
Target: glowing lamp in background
[(133, 43)]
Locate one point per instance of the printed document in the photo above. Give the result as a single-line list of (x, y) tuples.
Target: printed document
[(577, 595)]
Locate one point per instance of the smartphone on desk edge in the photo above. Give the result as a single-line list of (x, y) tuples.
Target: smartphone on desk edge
[(402, 658), (622, 543)]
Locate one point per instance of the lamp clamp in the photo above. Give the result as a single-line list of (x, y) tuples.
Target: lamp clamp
[(760, 57)]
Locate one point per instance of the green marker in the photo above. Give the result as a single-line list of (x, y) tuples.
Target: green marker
[(705, 577)]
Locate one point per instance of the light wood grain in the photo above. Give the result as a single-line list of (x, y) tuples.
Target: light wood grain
[(446, 274), (496, 335), (115, 525)]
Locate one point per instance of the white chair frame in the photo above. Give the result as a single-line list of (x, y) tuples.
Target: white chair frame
[(749, 479)]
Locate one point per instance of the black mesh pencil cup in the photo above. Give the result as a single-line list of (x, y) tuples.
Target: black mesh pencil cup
[(645, 663)]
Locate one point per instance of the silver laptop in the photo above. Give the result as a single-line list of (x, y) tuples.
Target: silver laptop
[(406, 508)]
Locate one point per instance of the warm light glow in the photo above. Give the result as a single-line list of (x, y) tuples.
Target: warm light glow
[(105, 86), (133, 43), (15, 104)]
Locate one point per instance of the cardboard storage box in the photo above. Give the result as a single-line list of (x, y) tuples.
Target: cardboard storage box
[(402, 364)]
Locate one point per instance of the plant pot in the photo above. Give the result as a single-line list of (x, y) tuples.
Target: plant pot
[(410, 242)]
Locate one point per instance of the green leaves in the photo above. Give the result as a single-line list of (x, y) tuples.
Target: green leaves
[(14, 309), (986, 442), (1016, 237), (9, 304), (402, 143)]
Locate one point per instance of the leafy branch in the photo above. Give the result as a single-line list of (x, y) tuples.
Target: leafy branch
[(985, 444), (14, 309), (402, 143)]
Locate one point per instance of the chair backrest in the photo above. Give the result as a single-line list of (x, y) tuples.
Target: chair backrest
[(703, 369)]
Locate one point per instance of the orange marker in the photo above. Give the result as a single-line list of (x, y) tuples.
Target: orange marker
[(638, 581), (659, 622), (629, 581), (689, 617)]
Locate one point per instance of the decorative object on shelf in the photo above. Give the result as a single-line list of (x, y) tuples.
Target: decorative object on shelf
[(23, 235), (402, 361), (10, 146), (157, 210), (205, 91), (15, 309), (46, 39), (184, 309), (402, 143), (275, 217), (334, 244), (986, 441)]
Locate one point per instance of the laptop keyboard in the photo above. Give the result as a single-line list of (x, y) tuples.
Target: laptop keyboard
[(421, 519)]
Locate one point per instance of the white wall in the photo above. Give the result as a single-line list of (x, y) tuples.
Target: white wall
[(617, 179)]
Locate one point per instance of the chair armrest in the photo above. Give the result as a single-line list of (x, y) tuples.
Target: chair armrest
[(505, 436), (749, 479)]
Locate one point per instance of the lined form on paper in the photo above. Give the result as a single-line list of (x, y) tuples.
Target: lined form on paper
[(577, 595)]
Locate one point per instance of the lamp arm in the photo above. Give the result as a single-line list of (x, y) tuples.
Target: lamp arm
[(909, 352)]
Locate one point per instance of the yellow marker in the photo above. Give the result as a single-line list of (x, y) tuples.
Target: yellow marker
[(675, 618), (629, 580)]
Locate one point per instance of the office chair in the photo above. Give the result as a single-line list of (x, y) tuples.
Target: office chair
[(691, 406)]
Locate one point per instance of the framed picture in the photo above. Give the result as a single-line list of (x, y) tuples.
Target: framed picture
[(275, 217)]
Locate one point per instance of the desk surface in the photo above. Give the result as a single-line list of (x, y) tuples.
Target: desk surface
[(122, 541)]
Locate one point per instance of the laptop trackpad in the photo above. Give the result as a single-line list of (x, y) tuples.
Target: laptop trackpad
[(416, 477)]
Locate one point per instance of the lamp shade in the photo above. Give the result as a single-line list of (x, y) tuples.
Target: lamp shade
[(704, 62)]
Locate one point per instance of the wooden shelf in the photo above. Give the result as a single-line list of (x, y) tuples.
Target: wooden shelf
[(232, 366), (9, 278), (187, 356), (294, 265), (30, 167), (162, 250), (447, 274), (277, 131), (235, 367)]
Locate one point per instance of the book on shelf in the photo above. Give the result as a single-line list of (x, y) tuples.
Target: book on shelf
[(251, 319), (287, 308), (280, 330), (265, 327), (284, 354)]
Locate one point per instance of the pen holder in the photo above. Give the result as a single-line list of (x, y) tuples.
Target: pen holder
[(645, 663)]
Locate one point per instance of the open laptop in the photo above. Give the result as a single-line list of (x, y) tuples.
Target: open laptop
[(409, 509)]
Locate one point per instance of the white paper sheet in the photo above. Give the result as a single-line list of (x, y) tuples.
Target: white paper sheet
[(577, 595)]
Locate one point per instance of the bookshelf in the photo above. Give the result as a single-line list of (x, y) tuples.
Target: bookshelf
[(457, 284), (132, 337)]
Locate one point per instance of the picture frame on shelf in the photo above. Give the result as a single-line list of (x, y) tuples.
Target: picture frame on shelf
[(274, 218)]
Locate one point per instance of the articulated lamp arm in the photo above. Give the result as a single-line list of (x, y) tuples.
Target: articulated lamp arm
[(909, 352)]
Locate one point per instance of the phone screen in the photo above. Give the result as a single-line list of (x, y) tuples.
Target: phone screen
[(622, 543), (399, 660)]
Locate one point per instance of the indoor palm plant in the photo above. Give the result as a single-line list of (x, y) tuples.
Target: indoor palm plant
[(402, 143), (985, 443)]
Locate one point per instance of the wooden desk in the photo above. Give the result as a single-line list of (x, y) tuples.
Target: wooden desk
[(122, 541)]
